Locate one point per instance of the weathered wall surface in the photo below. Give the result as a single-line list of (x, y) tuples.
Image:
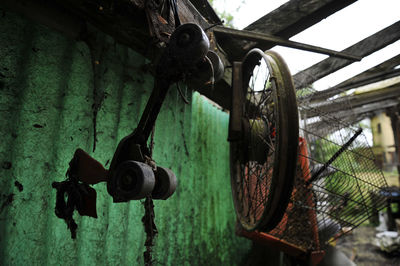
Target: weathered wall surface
[(47, 89)]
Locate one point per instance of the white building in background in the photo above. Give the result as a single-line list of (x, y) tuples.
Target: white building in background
[(383, 141)]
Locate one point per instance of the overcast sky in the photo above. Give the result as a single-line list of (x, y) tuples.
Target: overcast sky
[(337, 32)]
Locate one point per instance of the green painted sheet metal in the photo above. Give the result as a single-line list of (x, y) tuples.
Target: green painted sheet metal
[(47, 87)]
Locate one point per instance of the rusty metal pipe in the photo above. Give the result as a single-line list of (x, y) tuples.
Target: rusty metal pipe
[(262, 37)]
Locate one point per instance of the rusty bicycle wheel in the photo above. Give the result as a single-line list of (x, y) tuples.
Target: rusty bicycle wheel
[(263, 159)]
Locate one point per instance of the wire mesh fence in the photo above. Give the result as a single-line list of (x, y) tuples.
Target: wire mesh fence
[(338, 183)]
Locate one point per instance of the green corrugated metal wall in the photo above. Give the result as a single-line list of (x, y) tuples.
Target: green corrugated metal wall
[(46, 96)]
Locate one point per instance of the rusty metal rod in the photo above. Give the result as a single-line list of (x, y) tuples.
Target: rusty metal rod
[(334, 157), (262, 37)]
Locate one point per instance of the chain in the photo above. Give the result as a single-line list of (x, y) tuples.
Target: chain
[(148, 218)]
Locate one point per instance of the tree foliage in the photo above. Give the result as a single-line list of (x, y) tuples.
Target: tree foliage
[(227, 17)]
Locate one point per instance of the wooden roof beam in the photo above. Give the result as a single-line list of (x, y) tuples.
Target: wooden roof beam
[(315, 130), (363, 48), (286, 21), (357, 100), (377, 73), (261, 38), (367, 108)]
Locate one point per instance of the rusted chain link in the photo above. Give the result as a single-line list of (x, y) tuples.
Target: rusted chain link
[(149, 216)]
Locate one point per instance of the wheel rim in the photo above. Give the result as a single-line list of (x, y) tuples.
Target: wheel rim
[(261, 182)]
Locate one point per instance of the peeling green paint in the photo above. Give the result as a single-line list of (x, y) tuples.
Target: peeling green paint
[(46, 99)]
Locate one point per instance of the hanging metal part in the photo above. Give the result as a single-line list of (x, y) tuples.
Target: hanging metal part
[(210, 71), (89, 170), (132, 181), (262, 38), (218, 66), (133, 174), (188, 46), (165, 183)]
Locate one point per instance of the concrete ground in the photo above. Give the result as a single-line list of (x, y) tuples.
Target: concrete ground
[(358, 247)]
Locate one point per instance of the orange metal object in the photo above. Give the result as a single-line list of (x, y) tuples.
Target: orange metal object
[(305, 164), (264, 238), (314, 256)]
